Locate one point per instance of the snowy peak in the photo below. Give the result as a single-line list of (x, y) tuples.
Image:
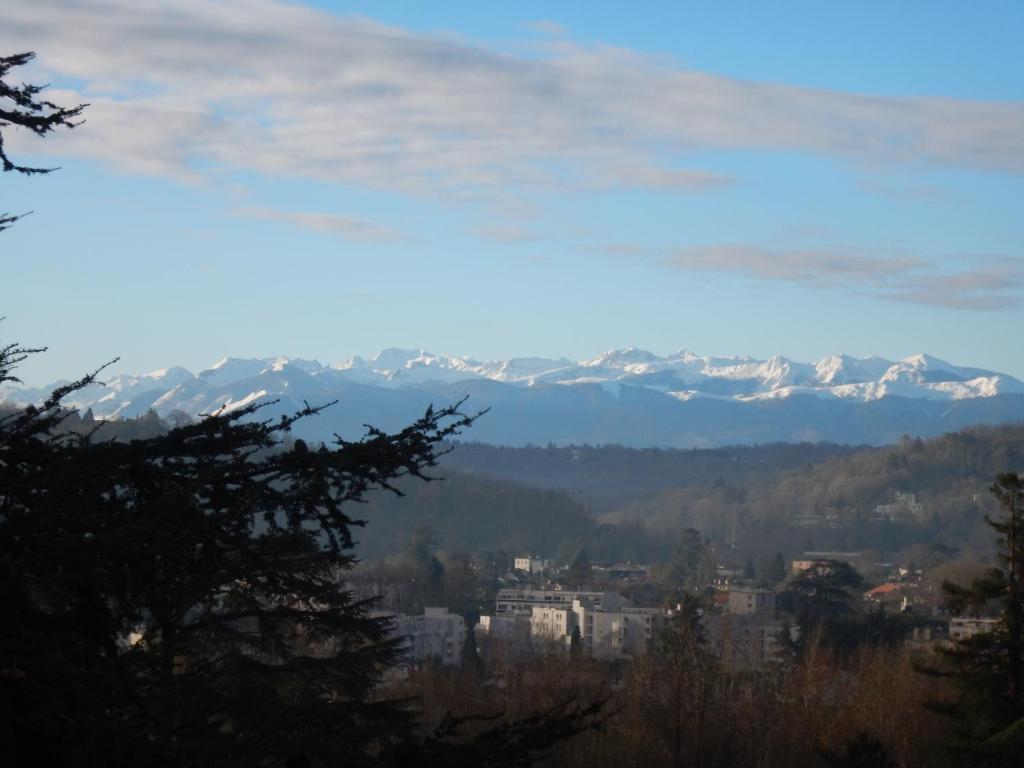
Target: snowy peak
[(682, 377), (925, 369), (230, 369), (621, 358)]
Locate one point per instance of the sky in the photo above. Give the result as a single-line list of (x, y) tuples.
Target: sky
[(262, 178)]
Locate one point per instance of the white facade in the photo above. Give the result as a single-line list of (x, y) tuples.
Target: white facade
[(609, 628), (960, 628), (620, 632), (436, 634), (905, 506), (531, 564), (550, 623)]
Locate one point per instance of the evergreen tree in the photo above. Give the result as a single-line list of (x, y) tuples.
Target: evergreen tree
[(749, 574), (177, 600), (988, 668), (820, 598), (470, 656), (686, 559), (21, 106), (575, 643), (579, 569)]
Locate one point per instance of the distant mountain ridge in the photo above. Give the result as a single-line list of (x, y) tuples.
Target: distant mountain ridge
[(627, 396)]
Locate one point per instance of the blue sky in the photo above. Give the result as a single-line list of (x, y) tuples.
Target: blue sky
[(258, 178)]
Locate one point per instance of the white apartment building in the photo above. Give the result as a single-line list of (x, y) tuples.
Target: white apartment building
[(617, 632), (609, 627), (521, 601), (436, 634), (551, 623)]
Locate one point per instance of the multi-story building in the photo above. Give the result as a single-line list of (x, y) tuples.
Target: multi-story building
[(608, 626), (744, 641), (751, 601), (437, 634), (552, 623), (617, 632), (521, 601), (514, 628)]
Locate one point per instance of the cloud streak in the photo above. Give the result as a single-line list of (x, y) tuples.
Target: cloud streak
[(347, 227), (282, 89), (886, 275)]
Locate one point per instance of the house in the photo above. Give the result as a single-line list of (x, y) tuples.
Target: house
[(884, 593), (810, 558), (962, 627), (530, 564), (905, 506), (928, 634)]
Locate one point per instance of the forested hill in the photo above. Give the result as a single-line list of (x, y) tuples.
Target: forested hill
[(631, 503), (756, 500), (831, 505), (607, 476), (470, 513)]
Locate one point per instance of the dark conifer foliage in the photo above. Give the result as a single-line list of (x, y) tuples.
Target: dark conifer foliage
[(176, 600), (988, 668), (22, 106), (29, 111)]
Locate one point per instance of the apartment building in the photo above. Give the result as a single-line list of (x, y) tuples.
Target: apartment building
[(437, 634), (511, 602)]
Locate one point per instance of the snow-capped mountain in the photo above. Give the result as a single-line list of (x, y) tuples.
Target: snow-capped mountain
[(613, 397)]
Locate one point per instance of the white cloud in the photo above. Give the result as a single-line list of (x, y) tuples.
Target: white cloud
[(887, 275), (279, 88), (347, 227)]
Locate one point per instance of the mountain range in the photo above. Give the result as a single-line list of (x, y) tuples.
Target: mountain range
[(628, 396)]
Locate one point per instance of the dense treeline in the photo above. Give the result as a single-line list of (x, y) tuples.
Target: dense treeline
[(470, 513), (139, 428), (831, 505), (608, 476), (629, 504), (752, 502)]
